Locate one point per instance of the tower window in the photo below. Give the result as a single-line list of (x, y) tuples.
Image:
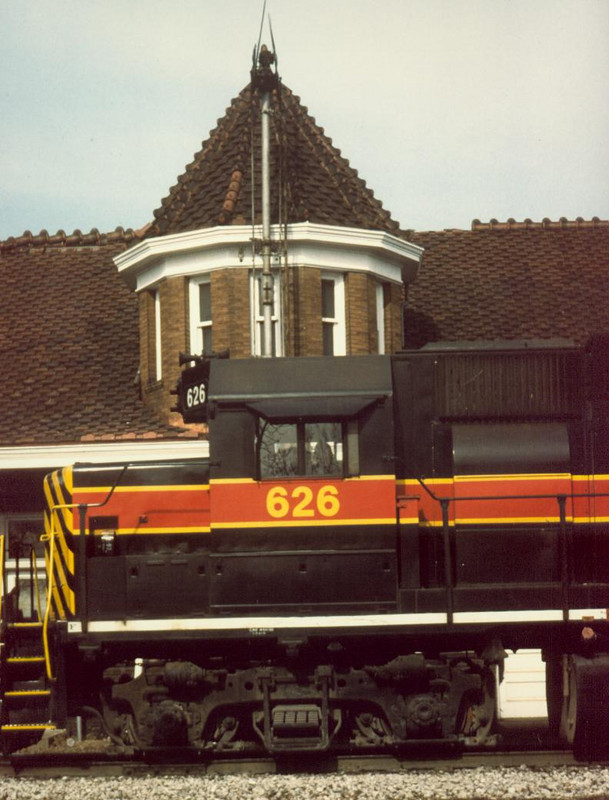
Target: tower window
[(333, 315), (380, 317), (201, 329), (158, 352), (258, 317)]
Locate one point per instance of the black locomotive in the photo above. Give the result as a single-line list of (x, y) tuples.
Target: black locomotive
[(347, 569)]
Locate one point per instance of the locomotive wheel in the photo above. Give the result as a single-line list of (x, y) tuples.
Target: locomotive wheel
[(584, 723), (479, 714)]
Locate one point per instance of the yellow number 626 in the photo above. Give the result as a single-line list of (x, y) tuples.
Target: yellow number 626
[(301, 502)]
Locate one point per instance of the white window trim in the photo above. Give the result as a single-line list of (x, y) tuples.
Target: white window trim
[(339, 320), (195, 324), (257, 320), (326, 247), (380, 317), (158, 350)]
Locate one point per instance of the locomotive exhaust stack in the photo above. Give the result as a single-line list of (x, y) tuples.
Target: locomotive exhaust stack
[(265, 80)]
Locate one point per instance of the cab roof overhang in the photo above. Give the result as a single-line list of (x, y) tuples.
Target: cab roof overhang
[(290, 388)]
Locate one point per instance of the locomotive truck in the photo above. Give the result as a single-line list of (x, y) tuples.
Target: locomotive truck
[(346, 571)]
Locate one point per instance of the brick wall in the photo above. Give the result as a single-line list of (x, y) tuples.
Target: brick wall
[(230, 310), (290, 295), (230, 299), (153, 390), (393, 295), (174, 325), (174, 339), (307, 322), (373, 325), (360, 301), (147, 338), (361, 311)]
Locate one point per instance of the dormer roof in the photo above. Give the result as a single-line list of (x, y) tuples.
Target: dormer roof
[(310, 180)]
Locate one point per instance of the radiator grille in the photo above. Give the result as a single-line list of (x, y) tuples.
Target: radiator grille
[(504, 385)]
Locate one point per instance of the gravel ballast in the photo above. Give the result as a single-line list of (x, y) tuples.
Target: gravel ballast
[(557, 783)]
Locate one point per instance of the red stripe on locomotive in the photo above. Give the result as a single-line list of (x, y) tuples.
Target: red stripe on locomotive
[(519, 498), (293, 502), (141, 510)]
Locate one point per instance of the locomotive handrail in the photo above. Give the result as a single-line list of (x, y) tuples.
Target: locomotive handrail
[(2, 581), (440, 499), (554, 496), (82, 549), (50, 537), (34, 572), (561, 499)]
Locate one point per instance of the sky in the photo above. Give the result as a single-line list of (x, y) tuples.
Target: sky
[(450, 110)]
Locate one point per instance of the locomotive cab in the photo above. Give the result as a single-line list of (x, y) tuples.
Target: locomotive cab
[(302, 477)]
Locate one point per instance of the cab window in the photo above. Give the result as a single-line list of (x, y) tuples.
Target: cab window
[(301, 448)]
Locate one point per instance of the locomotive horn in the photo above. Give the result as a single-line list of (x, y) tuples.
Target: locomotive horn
[(185, 358)]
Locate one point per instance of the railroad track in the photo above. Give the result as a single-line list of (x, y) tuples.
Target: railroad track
[(47, 766), (523, 743)]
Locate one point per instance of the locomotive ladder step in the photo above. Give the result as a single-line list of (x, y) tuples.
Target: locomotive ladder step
[(25, 660), (26, 702), (24, 625), (28, 726)]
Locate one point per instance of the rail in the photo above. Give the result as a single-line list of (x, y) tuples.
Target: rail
[(56, 763)]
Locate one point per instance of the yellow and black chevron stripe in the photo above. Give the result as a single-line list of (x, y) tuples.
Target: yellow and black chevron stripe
[(60, 541)]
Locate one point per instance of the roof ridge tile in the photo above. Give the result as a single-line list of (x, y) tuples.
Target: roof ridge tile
[(77, 238), (546, 224)]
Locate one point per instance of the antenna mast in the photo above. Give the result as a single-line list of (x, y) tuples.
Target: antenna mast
[(265, 80)]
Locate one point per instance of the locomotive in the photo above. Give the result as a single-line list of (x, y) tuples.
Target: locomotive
[(347, 569)]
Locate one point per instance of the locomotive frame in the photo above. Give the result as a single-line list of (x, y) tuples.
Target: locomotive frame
[(347, 570)]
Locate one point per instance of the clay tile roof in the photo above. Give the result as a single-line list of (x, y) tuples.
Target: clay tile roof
[(511, 280), (69, 342), (310, 179)]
